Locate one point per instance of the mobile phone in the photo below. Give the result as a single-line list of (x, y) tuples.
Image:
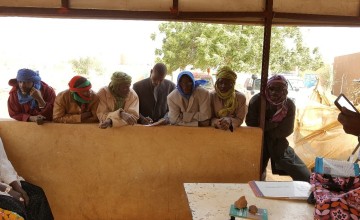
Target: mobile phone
[(342, 101)]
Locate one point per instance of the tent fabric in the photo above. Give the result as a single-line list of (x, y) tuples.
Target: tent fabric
[(317, 132)]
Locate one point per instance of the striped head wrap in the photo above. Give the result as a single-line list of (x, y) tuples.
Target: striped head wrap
[(77, 85), (229, 98), (282, 108)]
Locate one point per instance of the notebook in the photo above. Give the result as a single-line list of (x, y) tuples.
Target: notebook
[(339, 168), (281, 189)]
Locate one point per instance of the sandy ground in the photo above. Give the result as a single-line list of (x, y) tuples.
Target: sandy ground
[(272, 177)]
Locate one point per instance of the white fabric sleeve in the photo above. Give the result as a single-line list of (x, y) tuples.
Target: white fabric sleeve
[(7, 172)]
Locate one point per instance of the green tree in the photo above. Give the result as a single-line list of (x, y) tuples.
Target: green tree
[(84, 65), (240, 47)]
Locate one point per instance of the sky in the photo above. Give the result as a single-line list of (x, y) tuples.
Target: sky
[(332, 41), (57, 39), (47, 43), (64, 38)]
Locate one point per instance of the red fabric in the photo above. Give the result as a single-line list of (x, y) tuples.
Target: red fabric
[(23, 112), (73, 81), (78, 91)]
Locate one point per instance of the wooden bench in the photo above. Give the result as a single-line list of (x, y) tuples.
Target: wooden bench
[(133, 172)]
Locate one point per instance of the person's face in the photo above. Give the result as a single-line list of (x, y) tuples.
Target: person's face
[(123, 89), (224, 85), (157, 76), (86, 93), (25, 87), (277, 92), (186, 84)]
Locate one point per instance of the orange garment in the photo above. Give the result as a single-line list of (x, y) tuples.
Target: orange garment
[(9, 215), (67, 110)]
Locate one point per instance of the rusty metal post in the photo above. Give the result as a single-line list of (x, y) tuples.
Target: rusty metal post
[(265, 68)]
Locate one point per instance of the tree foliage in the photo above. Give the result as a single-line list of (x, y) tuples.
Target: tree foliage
[(84, 65), (240, 47)]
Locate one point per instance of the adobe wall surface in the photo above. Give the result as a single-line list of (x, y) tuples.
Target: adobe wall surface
[(346, 69), (133, 172)]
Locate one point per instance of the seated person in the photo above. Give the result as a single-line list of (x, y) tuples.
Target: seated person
[(119, 104), (152, 93), (279, 124), (228, 105), (189, 104), (77, 104), (18, 196), (30, 98)]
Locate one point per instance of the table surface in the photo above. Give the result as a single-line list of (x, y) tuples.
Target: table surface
[(211, 201)]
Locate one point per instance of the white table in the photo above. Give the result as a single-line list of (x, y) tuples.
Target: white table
[(211, 201)]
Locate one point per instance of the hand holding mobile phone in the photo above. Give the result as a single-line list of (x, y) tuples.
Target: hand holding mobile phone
[(342, 101)]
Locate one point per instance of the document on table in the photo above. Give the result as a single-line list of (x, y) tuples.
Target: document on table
[(281, 189)]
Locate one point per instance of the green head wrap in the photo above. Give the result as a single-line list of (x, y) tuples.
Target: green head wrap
[(229, 98), (226, 72), (117, 79)]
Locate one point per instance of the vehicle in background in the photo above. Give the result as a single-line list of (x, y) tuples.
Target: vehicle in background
[(296, 82), (204, 76), (310, 80)]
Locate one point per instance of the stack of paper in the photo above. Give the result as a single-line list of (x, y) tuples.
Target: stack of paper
[(284, 189)]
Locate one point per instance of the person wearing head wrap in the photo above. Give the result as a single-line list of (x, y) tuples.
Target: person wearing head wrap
[(152, 93), (77, 104), (228, 105), (279, 124), (189, 104), (30, 99), (19, 196), (119, 104)]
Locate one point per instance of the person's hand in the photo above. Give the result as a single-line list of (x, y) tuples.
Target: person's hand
[(224, 123), (85, 115), (18, 196), (19, 193), (23, 195), (105, 124), (205, 123), (146, 120), (129, 118), (350, 121), (37, 118), (36, 94)]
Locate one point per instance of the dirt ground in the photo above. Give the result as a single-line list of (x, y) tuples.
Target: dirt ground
[(272, 177)]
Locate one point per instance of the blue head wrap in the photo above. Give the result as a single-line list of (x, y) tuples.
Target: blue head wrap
[(27, 75), (196, 83)]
